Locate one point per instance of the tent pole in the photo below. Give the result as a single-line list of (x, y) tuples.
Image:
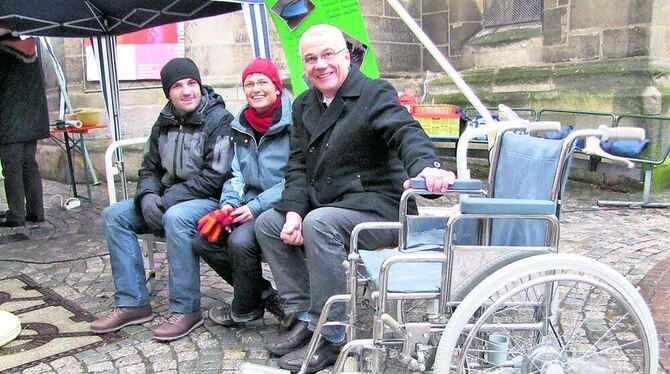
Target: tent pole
[(104, 48), (257, 29)]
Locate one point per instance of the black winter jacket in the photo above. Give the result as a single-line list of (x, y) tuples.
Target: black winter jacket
[(355, 154), (23, 102), (187, 158)]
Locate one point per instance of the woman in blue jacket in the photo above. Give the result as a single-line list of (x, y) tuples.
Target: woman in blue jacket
[(260, 138)]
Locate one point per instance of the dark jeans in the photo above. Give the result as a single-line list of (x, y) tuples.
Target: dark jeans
[(23, 183), (237, 259)]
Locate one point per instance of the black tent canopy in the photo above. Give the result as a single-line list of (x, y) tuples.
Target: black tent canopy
[(102, 20), (86, 18)]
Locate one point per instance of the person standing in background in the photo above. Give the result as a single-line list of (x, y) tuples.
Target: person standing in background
[(23, 120)]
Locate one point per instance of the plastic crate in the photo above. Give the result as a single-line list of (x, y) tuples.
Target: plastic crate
[(439, 124)]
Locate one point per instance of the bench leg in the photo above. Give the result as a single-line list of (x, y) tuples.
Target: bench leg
[(646, 196)]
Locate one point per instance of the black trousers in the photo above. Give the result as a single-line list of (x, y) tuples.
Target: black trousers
[(237, 259), (23, 183)]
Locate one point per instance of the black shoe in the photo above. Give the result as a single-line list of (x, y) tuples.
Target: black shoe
[(274, 305), (288, 321), (221, 315), (5, 223), (325, 355), (290, 340), (34, 219)]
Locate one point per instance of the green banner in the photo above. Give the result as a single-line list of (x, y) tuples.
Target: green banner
[(293, 17)]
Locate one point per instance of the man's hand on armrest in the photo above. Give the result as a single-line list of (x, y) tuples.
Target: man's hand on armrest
[(437, 180)]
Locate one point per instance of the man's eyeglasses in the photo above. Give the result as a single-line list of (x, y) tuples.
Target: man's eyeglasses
[(263, 84), (327, 56)]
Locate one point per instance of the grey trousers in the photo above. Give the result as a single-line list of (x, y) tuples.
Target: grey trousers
[(23, 183), (307, 276)]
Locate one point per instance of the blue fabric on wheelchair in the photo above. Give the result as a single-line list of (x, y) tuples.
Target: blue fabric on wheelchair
[(403, 277), (472, 205), (526, 170)]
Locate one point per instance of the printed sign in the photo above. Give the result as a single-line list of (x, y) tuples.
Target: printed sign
[(141, 54)]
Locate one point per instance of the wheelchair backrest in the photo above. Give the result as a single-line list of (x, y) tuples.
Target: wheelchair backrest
[(525, 167)]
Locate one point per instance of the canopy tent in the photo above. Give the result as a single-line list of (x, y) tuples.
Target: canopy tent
[(102, 20)]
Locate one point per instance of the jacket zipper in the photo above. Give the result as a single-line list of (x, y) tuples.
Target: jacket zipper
[(176, 150)]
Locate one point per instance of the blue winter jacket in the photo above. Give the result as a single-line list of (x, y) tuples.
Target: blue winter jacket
[(258, 169)]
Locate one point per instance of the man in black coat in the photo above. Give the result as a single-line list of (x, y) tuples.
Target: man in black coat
[(353, 148), (23, 120)]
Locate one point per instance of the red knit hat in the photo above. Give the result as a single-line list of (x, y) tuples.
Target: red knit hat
[(265, 67)]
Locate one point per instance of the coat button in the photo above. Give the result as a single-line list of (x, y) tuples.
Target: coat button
[(311, 182), (329, 180), (326, 145), (311, 149)]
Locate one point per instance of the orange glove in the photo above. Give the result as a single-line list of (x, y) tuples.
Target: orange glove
[(206, 224), (212, 224)]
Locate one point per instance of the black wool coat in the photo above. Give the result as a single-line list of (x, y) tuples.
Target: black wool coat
[(23, 102), (355, 154)]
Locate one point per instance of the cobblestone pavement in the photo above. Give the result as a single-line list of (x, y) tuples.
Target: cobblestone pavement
[(67, 253)]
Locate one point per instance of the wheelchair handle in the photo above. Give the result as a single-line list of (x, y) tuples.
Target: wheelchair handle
[(621, 133), (543, 126), (392, 324)]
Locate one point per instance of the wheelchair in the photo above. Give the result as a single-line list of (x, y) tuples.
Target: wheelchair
[(483, 288)]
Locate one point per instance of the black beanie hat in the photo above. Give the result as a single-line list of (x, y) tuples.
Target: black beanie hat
[(177, 69)]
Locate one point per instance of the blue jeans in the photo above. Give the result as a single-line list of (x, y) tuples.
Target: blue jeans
[(123, 221), (307, 276)]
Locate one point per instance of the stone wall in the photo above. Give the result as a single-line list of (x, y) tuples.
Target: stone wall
[(598, 55)]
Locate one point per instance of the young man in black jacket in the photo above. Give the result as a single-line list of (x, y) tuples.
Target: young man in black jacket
[(180, 180), (353, 147)]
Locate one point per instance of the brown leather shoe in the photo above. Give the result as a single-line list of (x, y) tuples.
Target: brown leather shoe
[(325, 355), (290, 340), (178, 325), (121, 317)]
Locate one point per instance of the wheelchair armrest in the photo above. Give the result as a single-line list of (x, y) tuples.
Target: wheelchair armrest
[(471, 205), (459, 184), (366, 226)]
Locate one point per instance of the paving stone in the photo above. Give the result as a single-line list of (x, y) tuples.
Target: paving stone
[(39, 369), (134, 369), (100, 367)]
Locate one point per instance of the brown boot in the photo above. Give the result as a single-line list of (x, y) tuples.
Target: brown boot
[(178, 325), (121, 317)]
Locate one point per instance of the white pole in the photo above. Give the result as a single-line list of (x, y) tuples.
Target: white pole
[(461, 152)]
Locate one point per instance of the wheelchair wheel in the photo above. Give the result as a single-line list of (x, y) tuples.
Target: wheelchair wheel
[(553, 313)]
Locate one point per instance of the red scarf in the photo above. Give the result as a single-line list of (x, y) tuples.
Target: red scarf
[(261, 121)]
